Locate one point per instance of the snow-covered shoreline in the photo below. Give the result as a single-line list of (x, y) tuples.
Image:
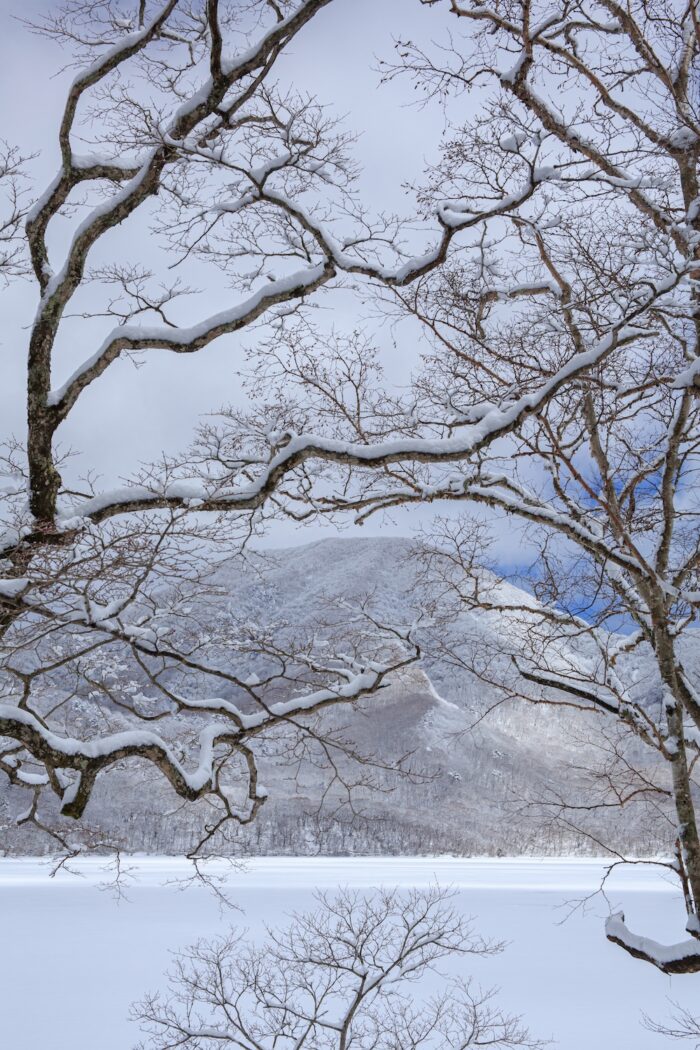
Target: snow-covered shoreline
[(576, 874)]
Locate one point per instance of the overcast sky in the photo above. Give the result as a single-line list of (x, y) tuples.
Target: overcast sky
[(131, 415)]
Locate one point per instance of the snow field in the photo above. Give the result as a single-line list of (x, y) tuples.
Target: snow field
[(80, 956)]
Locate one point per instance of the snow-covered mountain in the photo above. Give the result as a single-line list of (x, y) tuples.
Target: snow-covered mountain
[(473, 786)]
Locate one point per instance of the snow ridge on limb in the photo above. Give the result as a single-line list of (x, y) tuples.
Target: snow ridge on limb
[(75, 169), (145, 174), (57, 289), (70, 767), (187, 340), (495, 423), (671, 959)]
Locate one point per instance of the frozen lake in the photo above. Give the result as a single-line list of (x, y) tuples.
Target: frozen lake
[(75, 957)]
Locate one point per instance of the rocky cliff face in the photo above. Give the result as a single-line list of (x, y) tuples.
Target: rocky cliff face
[(466, 790)]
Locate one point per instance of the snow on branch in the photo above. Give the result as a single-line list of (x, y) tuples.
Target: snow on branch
[(187, 340), (671, 959), (58, 757), (495, 423)]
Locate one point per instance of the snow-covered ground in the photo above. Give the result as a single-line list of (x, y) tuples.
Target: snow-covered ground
[(74, 957)]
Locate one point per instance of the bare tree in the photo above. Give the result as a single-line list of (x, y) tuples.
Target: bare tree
[(12, 190), (175, 121), (609, 466), (683, 1026), (348, 973), (572, 645), (560, 383)]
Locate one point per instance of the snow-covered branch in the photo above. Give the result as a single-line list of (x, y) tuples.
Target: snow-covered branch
[(675, 958)]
